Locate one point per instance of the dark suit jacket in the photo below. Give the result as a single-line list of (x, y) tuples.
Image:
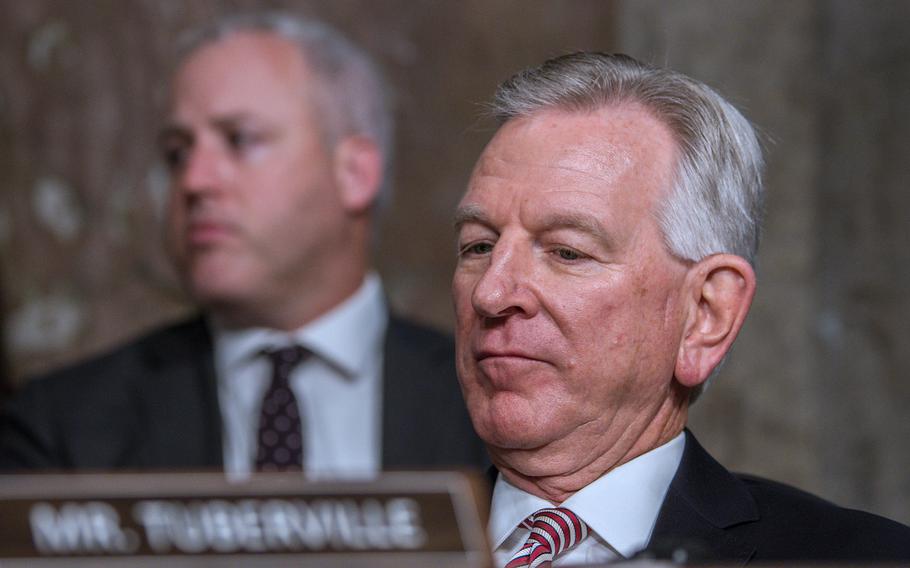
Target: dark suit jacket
[(717, 515), (153, 404), (714, 516)]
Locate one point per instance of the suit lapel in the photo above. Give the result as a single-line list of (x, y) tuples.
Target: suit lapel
[(180, 401), (703, 500)]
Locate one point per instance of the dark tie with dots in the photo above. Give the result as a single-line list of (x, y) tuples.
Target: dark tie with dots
[(280, 436)]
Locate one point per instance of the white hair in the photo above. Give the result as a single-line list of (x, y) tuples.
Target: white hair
[(352, 95), (716, 203)]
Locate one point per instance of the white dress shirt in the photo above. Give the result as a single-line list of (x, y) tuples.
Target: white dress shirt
[(620, 509), (338, 387)]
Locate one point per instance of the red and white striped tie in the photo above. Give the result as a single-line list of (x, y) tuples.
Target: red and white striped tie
[(553, 531)]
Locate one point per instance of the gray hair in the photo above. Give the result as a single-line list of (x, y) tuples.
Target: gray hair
[(717, 201), (716, 204), (352, 95)]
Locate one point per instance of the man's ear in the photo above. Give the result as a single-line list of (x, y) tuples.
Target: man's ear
[(719, 292), (358, 172)]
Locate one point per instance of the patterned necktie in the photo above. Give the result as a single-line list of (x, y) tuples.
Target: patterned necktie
[(553, 531), (280, 436)]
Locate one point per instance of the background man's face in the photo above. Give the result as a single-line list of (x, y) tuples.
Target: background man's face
[(253, 206), (568, 304)]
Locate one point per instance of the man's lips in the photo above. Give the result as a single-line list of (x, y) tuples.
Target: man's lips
[(510, 358), (483, 354), (501, 368), (204, 233)]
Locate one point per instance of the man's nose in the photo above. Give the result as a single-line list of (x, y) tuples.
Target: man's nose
[(506, 286), (202, 170)]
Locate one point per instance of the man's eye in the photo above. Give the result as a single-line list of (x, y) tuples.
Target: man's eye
[(568, 254), (174, 156), (240, 140), (477, 249)]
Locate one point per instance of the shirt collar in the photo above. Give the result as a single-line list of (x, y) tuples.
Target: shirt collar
[(621, 506), (344, 337)]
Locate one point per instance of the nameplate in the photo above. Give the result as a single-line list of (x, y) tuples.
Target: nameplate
[(196, 519)]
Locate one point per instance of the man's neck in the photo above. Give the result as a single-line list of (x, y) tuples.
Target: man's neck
[(569, 476), (286, 314)]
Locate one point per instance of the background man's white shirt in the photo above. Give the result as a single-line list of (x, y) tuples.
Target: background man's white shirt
[(338, 387)]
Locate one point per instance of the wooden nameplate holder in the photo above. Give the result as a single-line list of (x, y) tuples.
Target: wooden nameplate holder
[(202, 519)]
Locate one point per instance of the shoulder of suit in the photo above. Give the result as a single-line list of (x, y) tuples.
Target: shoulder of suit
[(421, 334), (789, 508), (144, 351)]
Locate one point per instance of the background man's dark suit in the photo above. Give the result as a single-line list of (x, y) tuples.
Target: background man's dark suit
[(716, 515), (153, 404)]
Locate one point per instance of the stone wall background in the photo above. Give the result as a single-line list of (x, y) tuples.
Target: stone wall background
[(83, 84), (814, 393)]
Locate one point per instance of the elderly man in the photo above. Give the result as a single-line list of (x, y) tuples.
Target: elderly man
[(605, 266), (278, 139)]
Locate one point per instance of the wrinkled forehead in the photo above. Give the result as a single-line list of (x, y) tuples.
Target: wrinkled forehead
[(619, 148)]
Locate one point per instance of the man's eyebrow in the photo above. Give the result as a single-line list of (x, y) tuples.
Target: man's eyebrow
[(233, 119), (470, 214), (563, 220), (174, 128), (574, 220)]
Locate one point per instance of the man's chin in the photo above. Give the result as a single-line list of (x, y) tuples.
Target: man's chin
[(508, 420), (527, 458), (219, 297), (211, 292), (514, 434)]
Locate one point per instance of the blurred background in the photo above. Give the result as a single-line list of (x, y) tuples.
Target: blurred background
[(815, 392)]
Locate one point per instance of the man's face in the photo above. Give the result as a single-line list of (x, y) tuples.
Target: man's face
[(568, 305), (253, 210)]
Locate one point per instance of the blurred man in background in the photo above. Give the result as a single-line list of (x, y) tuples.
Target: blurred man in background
[(606, 248), (278, 141)]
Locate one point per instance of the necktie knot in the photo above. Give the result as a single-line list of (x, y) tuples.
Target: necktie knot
[(553, 531), (285, 359)]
